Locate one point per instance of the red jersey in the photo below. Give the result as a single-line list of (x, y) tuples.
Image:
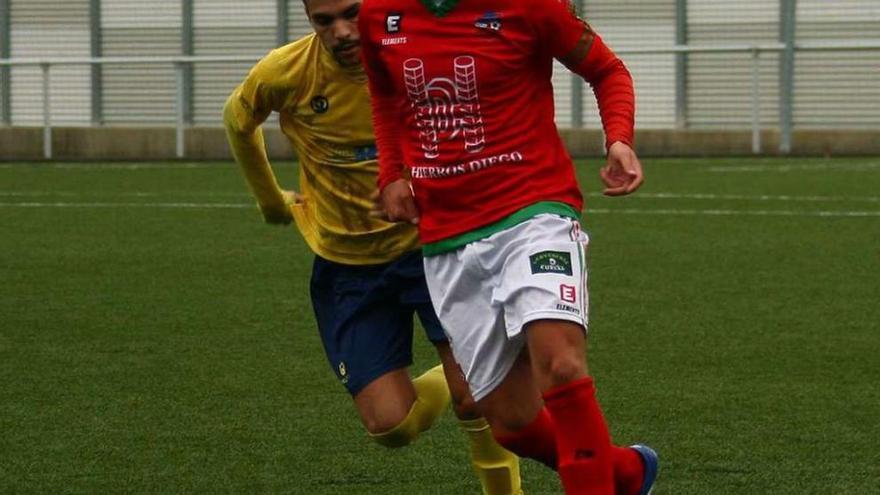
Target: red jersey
[(464, 100)]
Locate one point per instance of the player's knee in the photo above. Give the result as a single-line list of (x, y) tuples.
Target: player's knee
[(379, 424), (465, 407), (393, 435), (507, 417), (394, 439), (396, 427), (564, 368), (509, 423)]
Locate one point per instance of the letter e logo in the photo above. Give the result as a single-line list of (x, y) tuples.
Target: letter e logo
[(567, 293), (392, 23)]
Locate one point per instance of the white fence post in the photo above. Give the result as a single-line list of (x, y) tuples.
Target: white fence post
[(756, 101), (47, 113), (180, 72)]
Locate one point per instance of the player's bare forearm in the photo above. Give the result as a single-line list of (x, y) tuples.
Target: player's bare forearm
[(622, 173)]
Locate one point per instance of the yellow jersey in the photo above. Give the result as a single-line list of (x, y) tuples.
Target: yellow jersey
[(324, 111)]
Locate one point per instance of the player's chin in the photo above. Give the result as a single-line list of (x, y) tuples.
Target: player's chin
[(349, 57), (350, 61)]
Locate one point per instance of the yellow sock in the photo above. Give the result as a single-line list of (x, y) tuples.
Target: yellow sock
[(432, 398), (433, 392), (496, 467)]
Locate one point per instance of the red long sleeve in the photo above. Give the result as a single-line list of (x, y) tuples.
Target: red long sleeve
[(386, 115), (388, 142), (613, 86), (573, 42)]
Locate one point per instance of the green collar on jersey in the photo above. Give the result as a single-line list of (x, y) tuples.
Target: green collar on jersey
[(440, 7), (516, 218)]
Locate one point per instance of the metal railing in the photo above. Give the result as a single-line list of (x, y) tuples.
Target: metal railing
[(181, 63)]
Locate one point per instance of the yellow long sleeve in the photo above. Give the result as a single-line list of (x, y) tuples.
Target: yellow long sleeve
[(245, 138)]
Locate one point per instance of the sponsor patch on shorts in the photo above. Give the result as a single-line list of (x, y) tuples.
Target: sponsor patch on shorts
[(558, 262), (570, 309)]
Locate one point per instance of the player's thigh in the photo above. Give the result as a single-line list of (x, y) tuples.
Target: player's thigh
[(557, 349), (366, 334), (462, 294), (543, 288), (543, 265)]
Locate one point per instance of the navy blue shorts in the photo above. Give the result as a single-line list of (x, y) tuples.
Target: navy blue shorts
[(365, 316)]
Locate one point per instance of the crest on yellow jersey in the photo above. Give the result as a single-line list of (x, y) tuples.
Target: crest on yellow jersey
[(320, 104)]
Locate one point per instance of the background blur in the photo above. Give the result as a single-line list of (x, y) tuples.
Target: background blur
[(711, 76)]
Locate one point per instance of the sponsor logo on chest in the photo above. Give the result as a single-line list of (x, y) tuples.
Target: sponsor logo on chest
[(490, 21), (393, 25)]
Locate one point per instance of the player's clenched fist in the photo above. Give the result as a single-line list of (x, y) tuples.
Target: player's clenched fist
[(622, 173), (280, 214), (396, 203)]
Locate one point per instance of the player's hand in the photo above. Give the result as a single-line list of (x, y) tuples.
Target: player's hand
[(622, 173), (280, 214), (291, 197), (396, 203)]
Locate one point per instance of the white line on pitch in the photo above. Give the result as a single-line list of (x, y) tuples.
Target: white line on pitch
[(74, 194), (643, 195), (849, 167), (626, 211), (125, 205), (745, 197), (759, 213), (117, 166)]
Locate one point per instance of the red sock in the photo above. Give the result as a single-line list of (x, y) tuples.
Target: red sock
[(582, 439), (535, 441), (538, 441), (628, 470)]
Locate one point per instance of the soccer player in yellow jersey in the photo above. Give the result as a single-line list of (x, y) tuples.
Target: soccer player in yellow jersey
[(367, 279)]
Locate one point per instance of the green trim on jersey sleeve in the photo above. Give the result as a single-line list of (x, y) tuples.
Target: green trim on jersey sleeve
[(517, 217)]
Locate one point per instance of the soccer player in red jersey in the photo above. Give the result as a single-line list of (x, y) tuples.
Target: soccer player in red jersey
[(462, 100)]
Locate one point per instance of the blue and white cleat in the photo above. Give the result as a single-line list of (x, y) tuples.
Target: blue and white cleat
[(651, 461)]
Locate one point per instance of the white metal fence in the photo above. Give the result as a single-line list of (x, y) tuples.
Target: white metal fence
[(754, 92), (698, 64)]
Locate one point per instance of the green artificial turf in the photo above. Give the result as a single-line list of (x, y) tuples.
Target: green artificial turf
[(157, 337)]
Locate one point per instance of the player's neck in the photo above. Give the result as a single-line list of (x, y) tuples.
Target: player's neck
[(354, 72)]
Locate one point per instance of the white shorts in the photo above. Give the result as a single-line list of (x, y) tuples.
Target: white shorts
[(488, 290)]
